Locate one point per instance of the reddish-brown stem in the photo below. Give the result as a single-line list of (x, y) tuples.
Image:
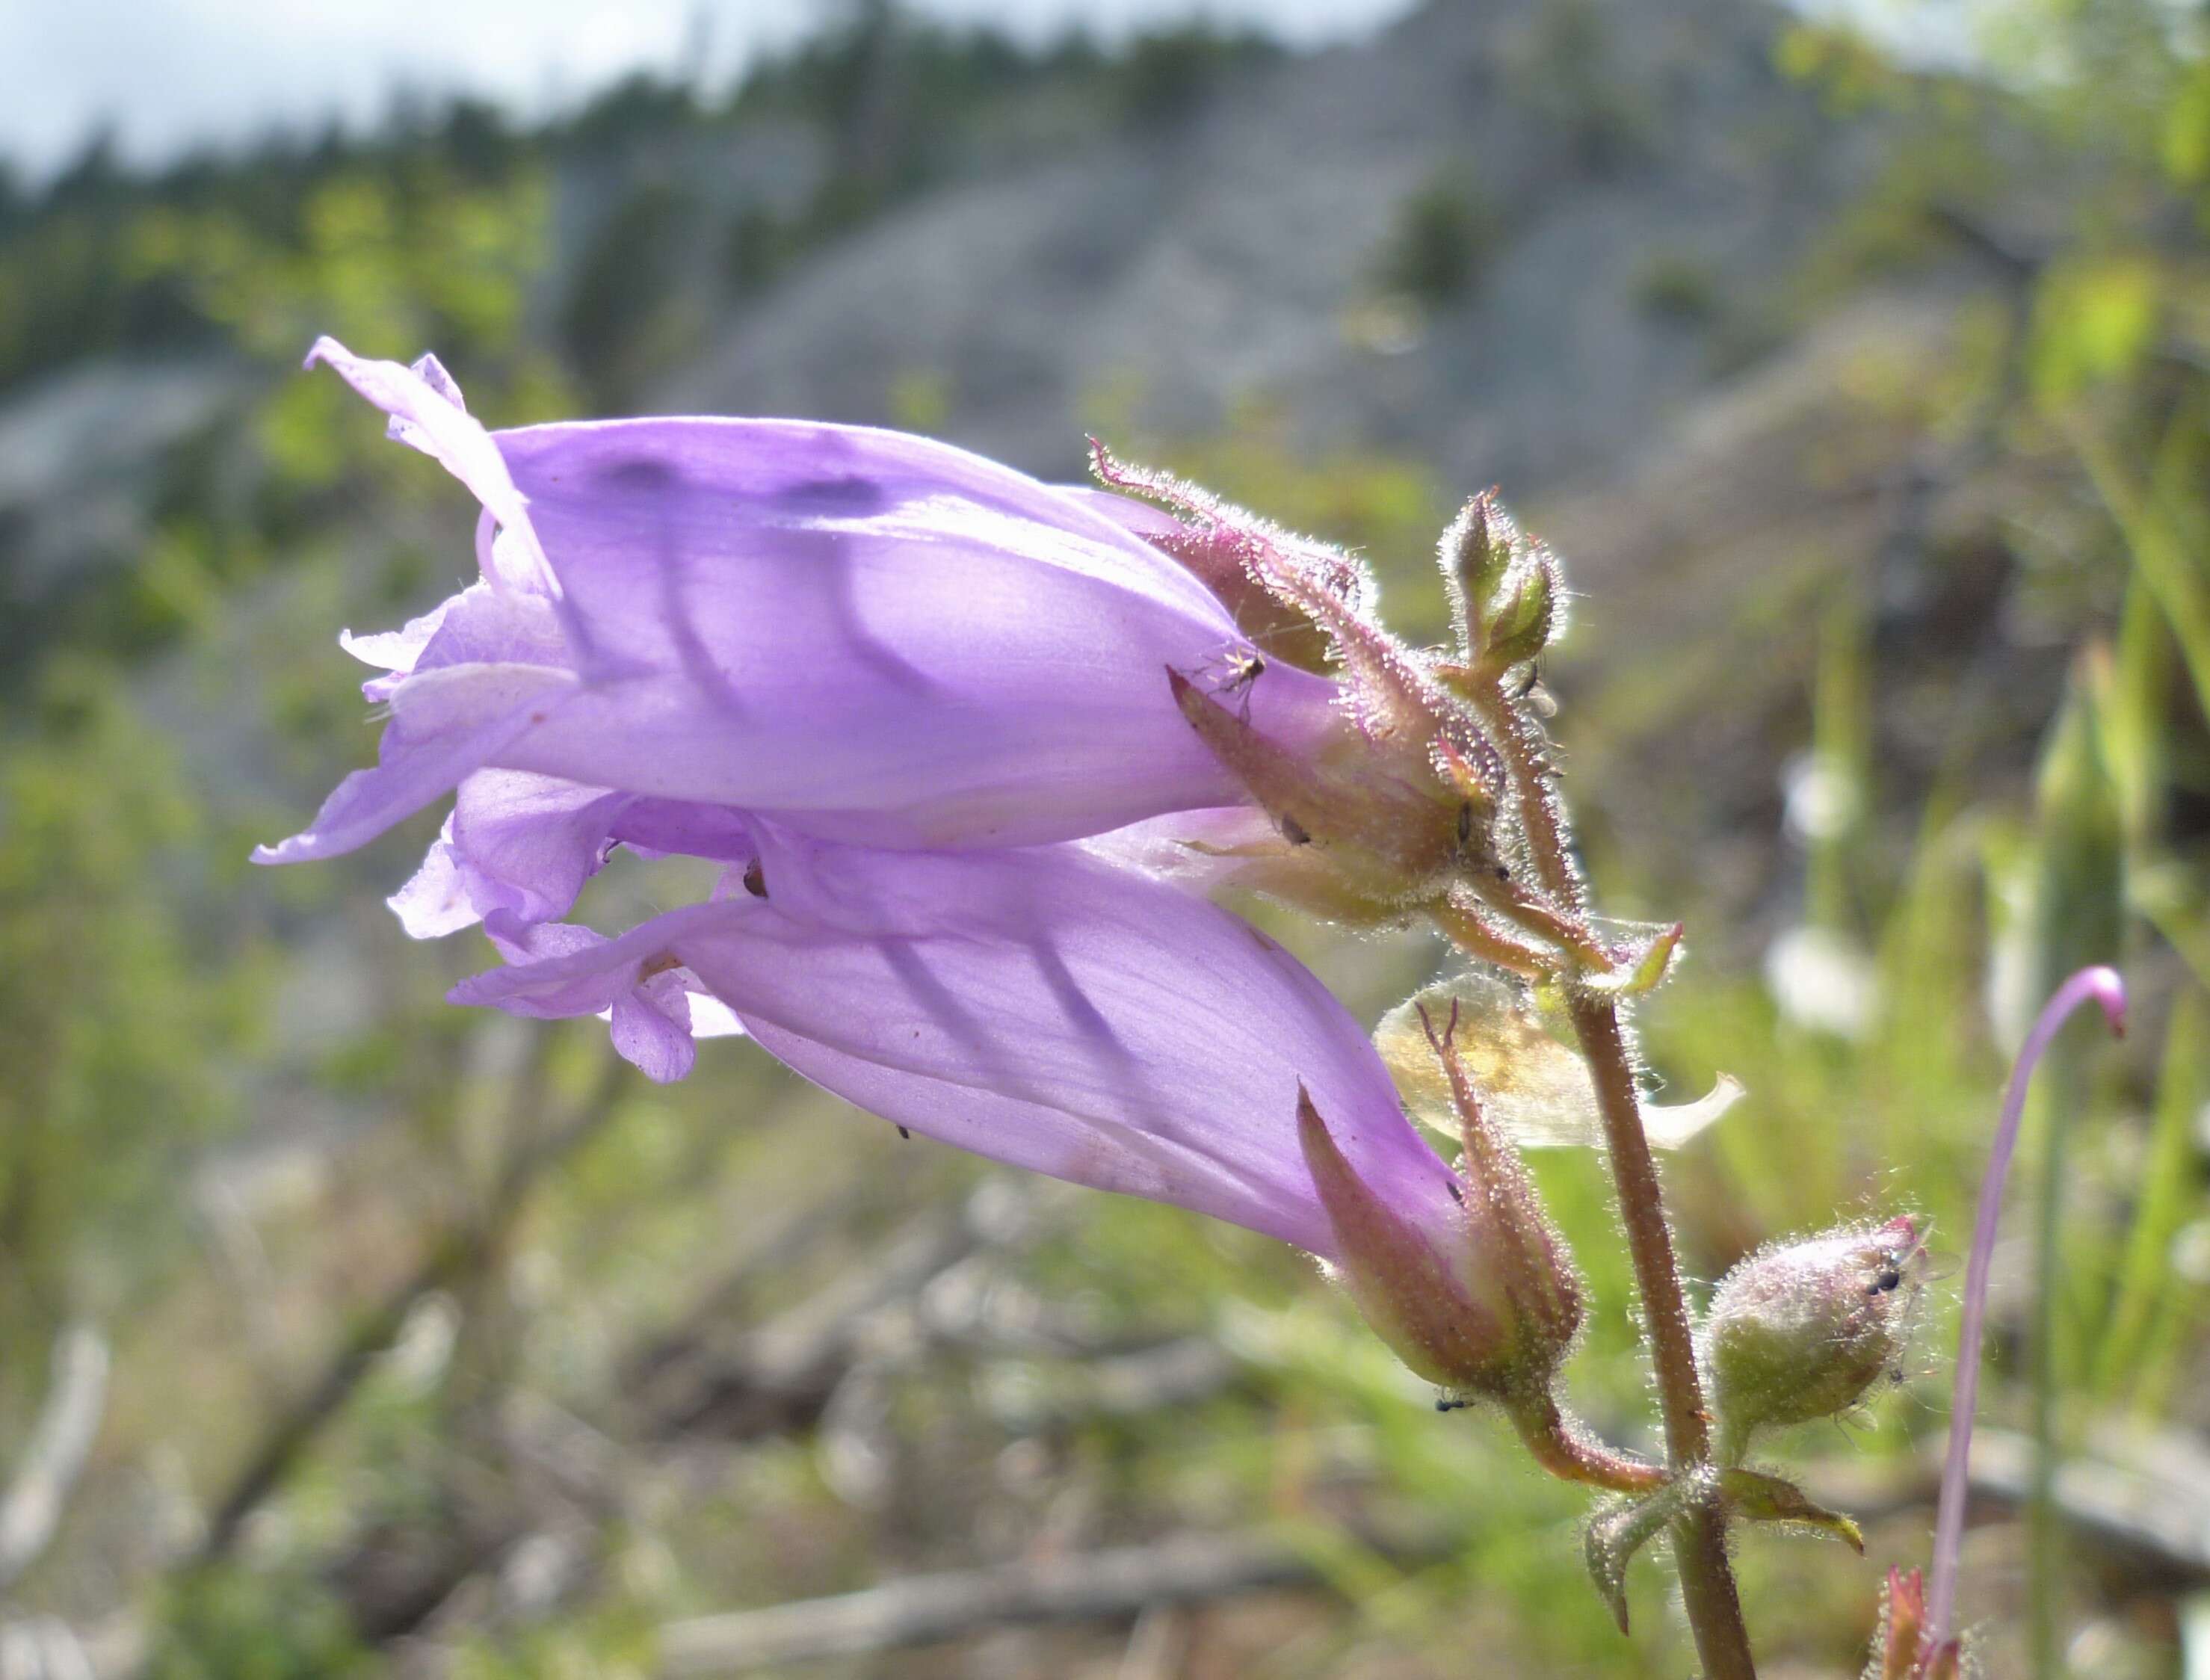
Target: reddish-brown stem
[(1709, 1595), (1471, 933), (1664, 1310), (1700, 1551), (1526, 756), (1566, 1450), (1543, 919), (1699, 1536)]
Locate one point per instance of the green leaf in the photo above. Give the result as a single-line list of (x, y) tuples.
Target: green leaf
[(2145, 1277), (2165, 557), (1615, 1534)]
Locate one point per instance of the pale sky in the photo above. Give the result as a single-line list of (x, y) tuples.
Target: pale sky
[(170, 73)]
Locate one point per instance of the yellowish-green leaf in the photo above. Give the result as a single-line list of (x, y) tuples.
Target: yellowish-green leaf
[(2162, 554), (1531, 1079)]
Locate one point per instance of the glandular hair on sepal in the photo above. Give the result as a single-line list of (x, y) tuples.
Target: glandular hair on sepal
[(1805, 1330), (1467, 1296)]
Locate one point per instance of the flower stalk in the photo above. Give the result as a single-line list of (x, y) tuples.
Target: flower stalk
[(1444, 807), (1566, 1450), (1700, 1551)]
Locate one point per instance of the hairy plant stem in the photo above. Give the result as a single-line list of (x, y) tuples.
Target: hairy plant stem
[(1568, 1450), (1700, 1551)]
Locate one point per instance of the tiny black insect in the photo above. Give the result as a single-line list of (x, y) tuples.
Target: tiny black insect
[(1888, 1278), (756, 879), (1464, 822), (1452, 1406), (1294, 832), (907, 1135)]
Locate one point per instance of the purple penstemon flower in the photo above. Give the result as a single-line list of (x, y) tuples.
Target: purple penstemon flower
[(870, 637), (930, 715)]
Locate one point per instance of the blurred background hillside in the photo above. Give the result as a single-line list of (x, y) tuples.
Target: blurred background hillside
[(1864, 388)]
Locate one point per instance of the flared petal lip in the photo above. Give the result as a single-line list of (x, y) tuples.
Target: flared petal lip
[(425, 415)]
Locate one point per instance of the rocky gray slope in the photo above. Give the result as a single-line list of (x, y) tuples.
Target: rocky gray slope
[(1626, 188), (1640, 176), (1627, 191)]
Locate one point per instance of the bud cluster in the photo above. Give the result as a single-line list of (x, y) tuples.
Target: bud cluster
[(1507, 597), (1434, 800)]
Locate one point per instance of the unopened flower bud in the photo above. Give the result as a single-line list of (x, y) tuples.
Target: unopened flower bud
[(1805, 1330), (1477, 551), (1901, 1649), (1395, 812), (1506, 592), (1526, 615)]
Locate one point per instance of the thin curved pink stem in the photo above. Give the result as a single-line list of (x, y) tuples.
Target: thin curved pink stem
[(2106, 989)]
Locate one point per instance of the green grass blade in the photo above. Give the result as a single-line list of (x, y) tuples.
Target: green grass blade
[(2145, 1277)]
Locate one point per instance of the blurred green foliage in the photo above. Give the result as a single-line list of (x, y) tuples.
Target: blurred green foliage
[(111, 1033), (1446, 234), (1678, 287), (401, 241), (430, 230), (1573, 76), (246, 1624)]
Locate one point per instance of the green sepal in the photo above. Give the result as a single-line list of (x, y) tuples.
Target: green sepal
[(1521, 623), (1619, 1531), (1751, 1495), (1642, 972)]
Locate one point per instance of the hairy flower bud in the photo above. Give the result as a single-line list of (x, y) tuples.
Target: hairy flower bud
[(1901, 1649), (1401, 811), (1804, 1330), (1527, 614), (1400, 802), (1506, 594), (1476, 552)]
